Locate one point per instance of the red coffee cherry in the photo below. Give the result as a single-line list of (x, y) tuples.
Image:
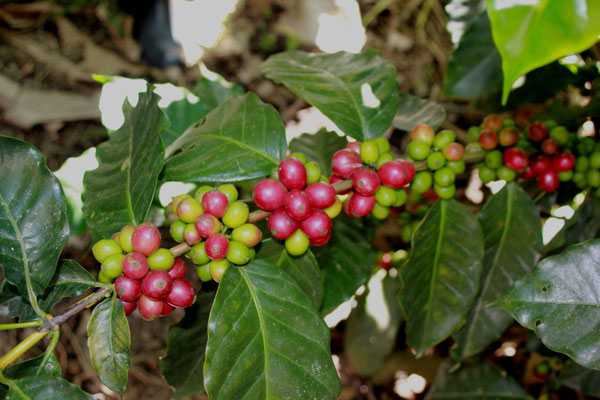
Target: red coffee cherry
[(281, 225), (128, 306), (157, 284), (453, 151), (135, 265), (354, 146), (548, 181), (182, 293), (167, 309), (488, 139), (292, 173), (145, 239), (207, 224), (359, 205), (493, 122), (537, 131), (508, 136), (549, 146), (528, 173), (215, 203), (191, 235), (334, 179), (149, 308), (541, 163), (345, 162), (268, 194), (297, 204), (317, 226), (321, 241), (515, 158), (563, 162), (128, 289), (178, 270), (396, 174), (321, 194), (217, 246), (365, 181)]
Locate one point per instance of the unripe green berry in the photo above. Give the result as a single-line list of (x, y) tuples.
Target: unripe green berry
[(236, 215), (313, 172), (218, 268), (161, 259), (580, 180), (383, 158), (251, 253), (595, 160), (565, 176), (593, 178), (474, 132), (229, 190), (177, 229), (248, 234), (506, 174), (105, 248), (237, 253), (297, 244), (445, 192), (198, 254), (189, 209), (493, 159), (204, 272), (125, 238), (385, 196), (444, 177), (582, 164), (418, 150), (457, 166), (369, 151), (436, 160), (486, 174), (444, 138), (422, 182), (509, 123), (112, 266), (400, 198), (199, 193), (102, 278), (324, 178), (334, 210), (299, 156), (380, 212), (383, 144), (406, 233)]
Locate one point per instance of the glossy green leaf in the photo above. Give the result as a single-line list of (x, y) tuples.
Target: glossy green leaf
[(33, 219), (216, 90), (45, 388), (413, 110), (531, 34), (186, 343), (373, 325), (346, 262), (69, 280), (559, 302), (475, 67), (34, 366), (303, 269), (358, 92), (109, 340), (241, 139), (585, 380), (513, 240), (319, 147), (584, 225), (482, 381), (120, 191), (266, 340), (461, 13), (441, 278)]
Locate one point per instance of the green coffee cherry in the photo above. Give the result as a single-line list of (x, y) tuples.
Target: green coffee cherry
[(161, 259), (236, 215), (199, 193), (582, 164), (593, 178), (177, 229), (313, 172), (189, 209), (506, 174), (422, 182), (204, 272), (486, 174), (474, 132), (560, 134), (176, 200), (380, 212), (334, 210), (400, 198), (493, 159), (509, 123), (248, 234), (229, 190), (125, 238), (105, 248), (444, 177), (237, 253), (595, 160), (445, 192), (580, 180), (297, 244), (436, 160), (385, 196), (383, 144), (565, 176), (251, 253), (383, 158), (102, 278), (418, 150), (300, 156), (198, 254), (218, 268), (112, 266), (406, 233), (369, 151), (444, 138), (457, 166)]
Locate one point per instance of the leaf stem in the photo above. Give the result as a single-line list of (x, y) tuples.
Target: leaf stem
[(20, 349), (50, 349), (19, 325)]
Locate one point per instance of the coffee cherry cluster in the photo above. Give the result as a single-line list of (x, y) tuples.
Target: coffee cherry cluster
[(216, 227), (443, 157), (377, 179), (587, 165), (147, 277), (302, 203)]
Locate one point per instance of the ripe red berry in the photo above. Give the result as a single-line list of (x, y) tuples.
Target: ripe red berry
[(268, 194), (215, 203), (292, 173), (129, 306), (182, 294), (334, 179), (167, 309), (508, 136), (515, 158), (317, 226), (541, 163), (548, 181), (157, 284), (297, 204), (359, 205), (345, 162), (191, 235), (563, 162), (135, 265), (493, 122), (321, 194), (549, 146), (453, 151), (281, 225), (365, 181), (528, 173), (207, 224), (321, 241), (149, 308), (178, 270), (396, 174), (537, 131), (128, 289), (488, 139), (354, 146), (217, 246), (145, 239)]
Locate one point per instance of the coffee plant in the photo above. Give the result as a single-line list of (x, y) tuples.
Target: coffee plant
[(275, 235)]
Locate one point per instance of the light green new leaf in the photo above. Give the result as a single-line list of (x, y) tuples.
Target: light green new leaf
[(441, 278), (358, 92), (266, 340), (109, 340), (559, 302), (531, 34), (120, 191)]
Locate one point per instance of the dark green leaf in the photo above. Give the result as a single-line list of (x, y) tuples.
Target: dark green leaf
[(120, 191), (214, 92), (584, 225), (182, 113), (476, 382), (372, 326), (531, 34), (241, 139), (513, 240), (266, 340), (442, 276), (358, 92), (559, 302), (109, 340), (319, 147), (346, 262), (587, 381), (186, 343), (69, 280), (475, 68), (461, 13), (33, 217), (413, 110), (34, 366), (45, 388)]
